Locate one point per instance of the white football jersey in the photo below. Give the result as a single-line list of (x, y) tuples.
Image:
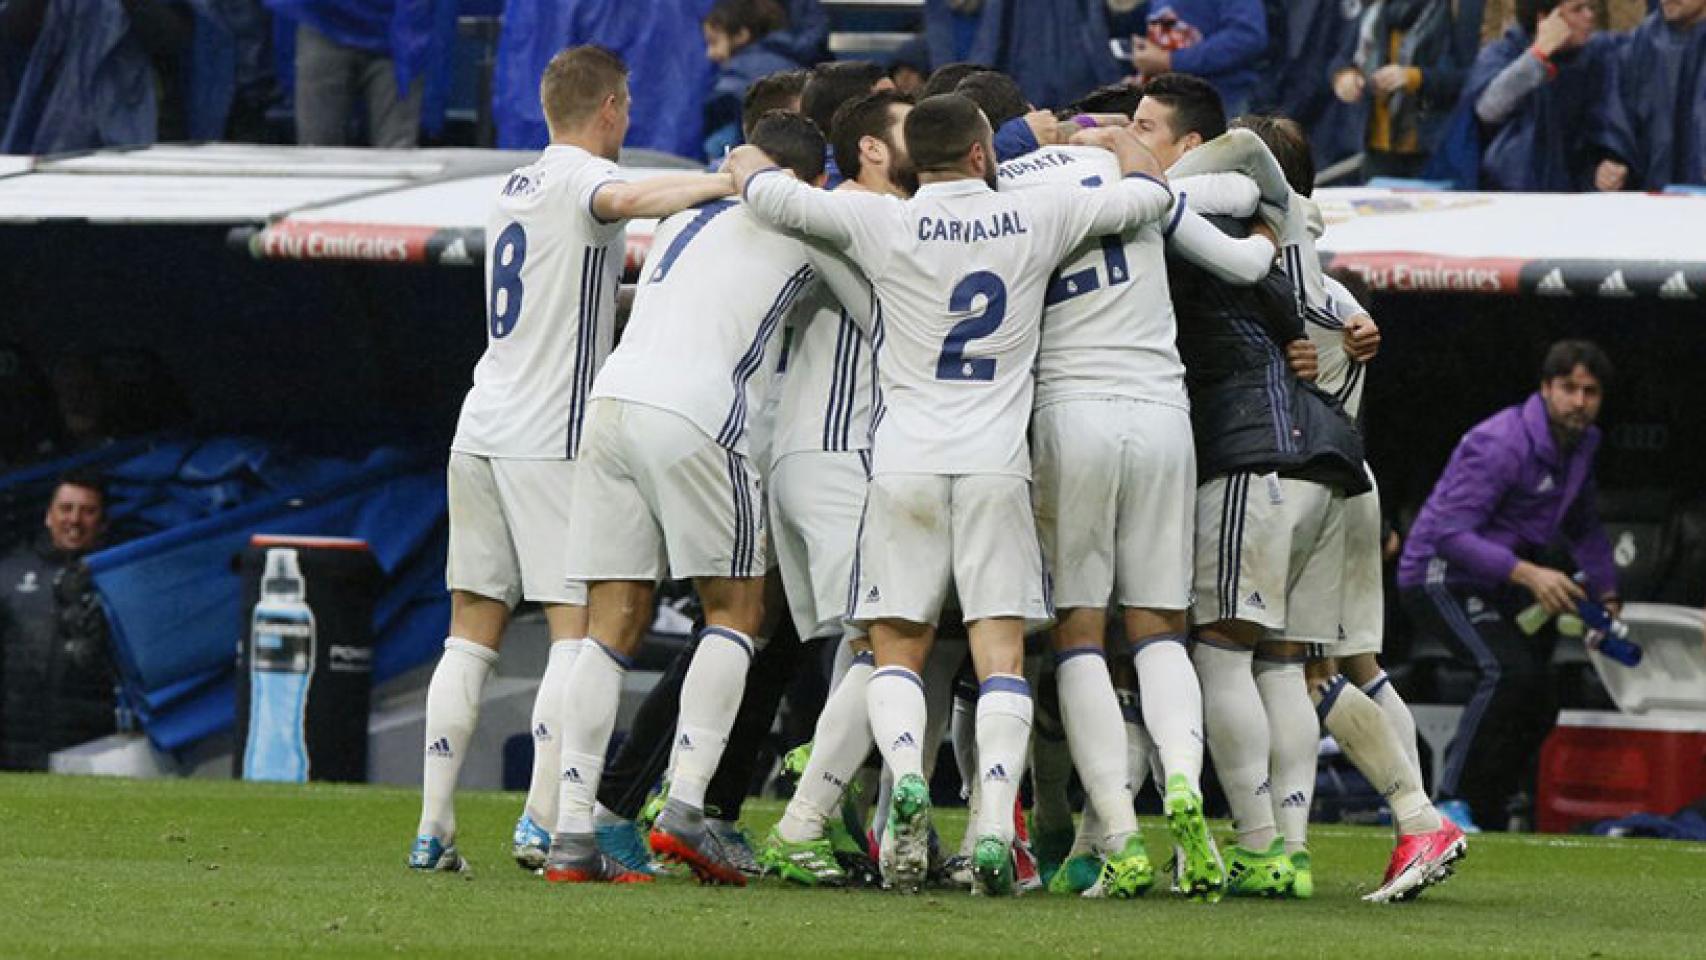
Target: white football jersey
[(551, 274), (712, 296), (959, 273), (1340, 375), (1108, 327), (829, 383)]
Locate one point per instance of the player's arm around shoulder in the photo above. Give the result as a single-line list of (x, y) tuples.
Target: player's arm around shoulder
[(845, 219), (1141, 196), (615, 200)]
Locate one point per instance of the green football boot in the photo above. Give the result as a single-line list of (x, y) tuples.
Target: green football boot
[(809, 863), (1078, 874), (907, 859), (653, 807), (1051, 846), (992, 867), (794, 762), (1125, 875), (1267, 874), (1303, 876), (1202, 877)]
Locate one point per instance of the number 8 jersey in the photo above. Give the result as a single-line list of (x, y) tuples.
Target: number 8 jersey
[(959, 274), (551, 273)]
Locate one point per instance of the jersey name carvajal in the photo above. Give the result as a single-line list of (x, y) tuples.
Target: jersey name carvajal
[(1108, 327), (551, 274), (712, 297), (959, 274)]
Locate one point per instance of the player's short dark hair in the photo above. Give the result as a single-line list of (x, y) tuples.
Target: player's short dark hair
[(1113, 98), (833, 84), (777, 91), (946, 77), (861, 117), (792, 141), (1529, 12), (85, 478), (1289, 143), (941, 129), (995, 94), (1195, 103), (1563, 357), (759, 18), (577, 81)]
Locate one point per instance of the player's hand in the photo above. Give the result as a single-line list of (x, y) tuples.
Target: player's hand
[(1349, 85), (1553, 589), (1362, 338), (1553, 32), (1610, 176), (1388, 80), (1300, 356), (1149, 59), (1047, 130)]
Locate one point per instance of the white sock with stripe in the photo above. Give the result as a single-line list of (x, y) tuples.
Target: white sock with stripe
[(1295, 744), (710, 698), (548, 706), (1096, 732), (590, 698), (452, 712), (1238, 739), (1360, 728), (1003, 739), (840, 742), (1172, 706), (1398, 718), (894, 700)]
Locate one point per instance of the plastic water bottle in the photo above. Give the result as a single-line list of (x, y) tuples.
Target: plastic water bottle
[(1606, 634), (281, 661)]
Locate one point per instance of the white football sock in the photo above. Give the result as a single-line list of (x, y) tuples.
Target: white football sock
[(1172, 707), (548, 706), (1398, 718), (1096, 731), (840, 743), (1088, 839), (1295, 743), (1238, 738), (710, 698), (452, 711), (1360, 728), (894, 700), (1003, 738), (590, 696)]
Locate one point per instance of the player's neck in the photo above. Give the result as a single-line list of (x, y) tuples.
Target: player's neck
[(925, 178), (872, 181), (584, 139)]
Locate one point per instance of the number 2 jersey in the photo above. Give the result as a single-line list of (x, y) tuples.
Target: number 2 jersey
[(712, 296), (1108, 327), (959, 273), (551, 273)]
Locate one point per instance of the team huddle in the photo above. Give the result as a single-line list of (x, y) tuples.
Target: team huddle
[(1074, 382)]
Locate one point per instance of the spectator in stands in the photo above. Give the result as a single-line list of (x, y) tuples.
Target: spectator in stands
[(1055, 50), (741, 38), (377, 50), (1533, 93), (1518, 483), (82, 394), (1298, 82), (96, 73), (1222, 41), (1655, 109), (1406, 66), (56, 672)]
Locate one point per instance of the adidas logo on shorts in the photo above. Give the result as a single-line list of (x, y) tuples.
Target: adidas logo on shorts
[(873, 595), (1254, 601)]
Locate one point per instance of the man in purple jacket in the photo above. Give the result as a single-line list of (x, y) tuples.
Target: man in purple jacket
[(1519, 482)]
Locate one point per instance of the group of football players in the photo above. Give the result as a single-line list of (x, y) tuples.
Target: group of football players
[(1075, 377)]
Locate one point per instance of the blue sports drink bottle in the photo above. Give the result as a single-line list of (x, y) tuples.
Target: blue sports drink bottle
[(281, 662)]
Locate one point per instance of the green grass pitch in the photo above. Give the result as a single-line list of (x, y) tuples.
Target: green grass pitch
[(121, 869)]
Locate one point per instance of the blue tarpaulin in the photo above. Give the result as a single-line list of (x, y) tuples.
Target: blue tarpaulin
[(173, 597)]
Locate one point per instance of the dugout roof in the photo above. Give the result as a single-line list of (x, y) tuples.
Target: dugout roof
[(429, 207)]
